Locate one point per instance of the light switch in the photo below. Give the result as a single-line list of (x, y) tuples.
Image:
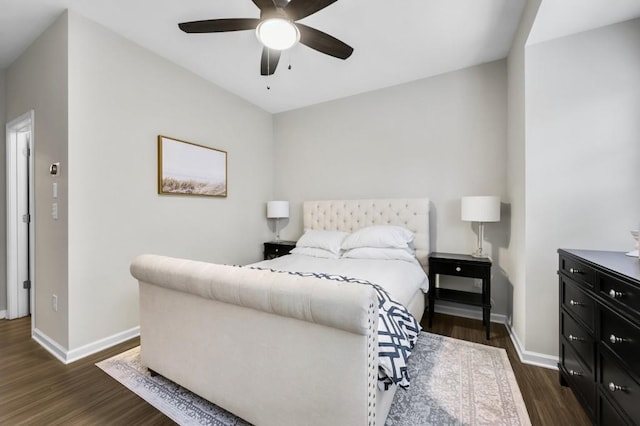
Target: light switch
[(54, 211), (55, 189)]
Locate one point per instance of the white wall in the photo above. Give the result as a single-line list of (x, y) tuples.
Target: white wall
[(442, 137), (516, 166), (3, 197), (38, 80), (121, 97), (582, 152)]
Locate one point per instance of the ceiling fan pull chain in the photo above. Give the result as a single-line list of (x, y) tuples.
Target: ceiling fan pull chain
[(268, 67)]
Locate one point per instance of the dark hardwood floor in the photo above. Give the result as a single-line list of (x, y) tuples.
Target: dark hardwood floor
[(37, 389)]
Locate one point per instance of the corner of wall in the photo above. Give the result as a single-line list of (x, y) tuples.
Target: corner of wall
[(38, 80), (3, 197)]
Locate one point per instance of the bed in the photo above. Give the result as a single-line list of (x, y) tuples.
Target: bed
[(281, 348)]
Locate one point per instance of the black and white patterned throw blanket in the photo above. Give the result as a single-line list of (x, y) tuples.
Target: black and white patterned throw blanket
[(397, 331)]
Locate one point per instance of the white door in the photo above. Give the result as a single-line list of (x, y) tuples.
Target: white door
[(19, 136)]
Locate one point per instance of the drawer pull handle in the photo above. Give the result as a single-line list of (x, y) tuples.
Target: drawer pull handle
[(613, 387), (615, 339), (575, 338), (615, 294), (574, 303), (458, 269), (578, 373), (575, 271)]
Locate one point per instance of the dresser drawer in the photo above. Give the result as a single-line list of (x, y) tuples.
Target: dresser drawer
[(580, 379), (609, 416), (620, 387), (578, 271), (620, 293), (580, 340), (622, 337), (577, 303)]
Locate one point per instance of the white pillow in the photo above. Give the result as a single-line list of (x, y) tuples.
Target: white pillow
[(315, 252), (327, 240), (379, 254), (380, 236)]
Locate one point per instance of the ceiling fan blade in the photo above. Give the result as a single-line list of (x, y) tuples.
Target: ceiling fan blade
[(323, 42), (219, 25), (269, 61), (298, 9), (264, 4)]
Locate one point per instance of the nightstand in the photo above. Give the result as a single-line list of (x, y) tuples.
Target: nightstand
[(461, 265), (274, 249)]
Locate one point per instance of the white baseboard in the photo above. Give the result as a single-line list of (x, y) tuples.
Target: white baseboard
[(469, 313), (50, 345), (533, 358), (3, 314), (526, 357), (102, 344), (67, 357)]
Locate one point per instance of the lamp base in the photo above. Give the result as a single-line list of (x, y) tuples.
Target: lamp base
[(480, 255), (277, 239)]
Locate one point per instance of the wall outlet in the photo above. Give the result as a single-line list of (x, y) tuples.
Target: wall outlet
[(477, 283), (54, 303)]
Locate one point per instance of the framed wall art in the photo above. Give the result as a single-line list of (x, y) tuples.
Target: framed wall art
[(186, 168)]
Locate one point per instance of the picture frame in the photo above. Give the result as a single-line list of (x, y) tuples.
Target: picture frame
[(186, 168)]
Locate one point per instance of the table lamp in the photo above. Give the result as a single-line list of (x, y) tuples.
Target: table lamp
[(480, 209), (277, 210)]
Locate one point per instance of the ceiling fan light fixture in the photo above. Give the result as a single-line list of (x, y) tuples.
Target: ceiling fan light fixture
[(277, 33)]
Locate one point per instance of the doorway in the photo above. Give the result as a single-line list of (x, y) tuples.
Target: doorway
[(20, 219)]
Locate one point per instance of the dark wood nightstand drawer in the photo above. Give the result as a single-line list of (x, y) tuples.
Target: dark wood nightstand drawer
[(578, 303), (623, 338), (275, 249), (578, 271), (619, 386), (580, 340), (457, 269)]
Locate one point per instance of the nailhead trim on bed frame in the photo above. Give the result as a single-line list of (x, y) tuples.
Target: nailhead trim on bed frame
[(372, 362)]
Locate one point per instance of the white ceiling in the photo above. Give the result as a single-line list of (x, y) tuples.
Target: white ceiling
[(559, 18), (394, 42)]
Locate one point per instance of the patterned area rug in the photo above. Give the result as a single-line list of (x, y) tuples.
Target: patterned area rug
[(453, 382)]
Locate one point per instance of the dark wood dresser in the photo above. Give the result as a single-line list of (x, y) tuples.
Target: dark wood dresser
[(600, 333)]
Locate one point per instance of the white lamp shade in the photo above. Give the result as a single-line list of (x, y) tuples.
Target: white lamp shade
[(481, 209), (277, 209)]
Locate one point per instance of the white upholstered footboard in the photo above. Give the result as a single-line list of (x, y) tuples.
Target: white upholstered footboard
[(274, 349)]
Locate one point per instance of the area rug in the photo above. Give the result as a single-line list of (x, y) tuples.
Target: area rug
[(453, 382)]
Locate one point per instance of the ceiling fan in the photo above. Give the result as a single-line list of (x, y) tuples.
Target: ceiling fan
[(278, 30)]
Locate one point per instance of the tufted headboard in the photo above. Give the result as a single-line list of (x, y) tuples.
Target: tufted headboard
[(350, 215)]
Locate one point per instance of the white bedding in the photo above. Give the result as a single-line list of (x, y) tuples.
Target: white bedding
[(401, 279)]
